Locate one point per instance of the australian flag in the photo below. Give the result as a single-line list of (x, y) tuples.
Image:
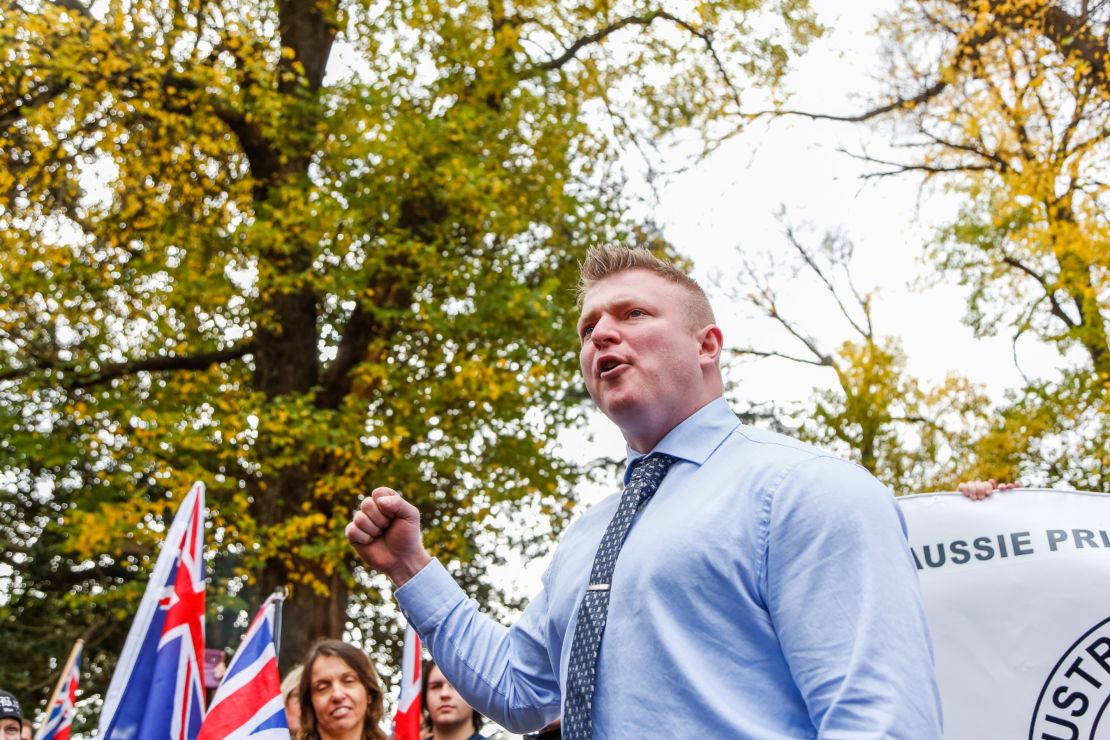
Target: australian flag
[(59, 718), (157, 691), (248, 703)]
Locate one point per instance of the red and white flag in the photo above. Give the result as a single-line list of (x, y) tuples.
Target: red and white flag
[(406, 723)]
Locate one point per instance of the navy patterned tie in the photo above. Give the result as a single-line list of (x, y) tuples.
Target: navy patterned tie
[(647, 474)]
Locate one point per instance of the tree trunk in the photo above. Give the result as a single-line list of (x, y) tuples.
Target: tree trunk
[(307, 615), (286, 363)]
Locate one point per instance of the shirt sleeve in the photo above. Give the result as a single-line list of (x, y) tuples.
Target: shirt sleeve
[(504, 673), (841, 588)]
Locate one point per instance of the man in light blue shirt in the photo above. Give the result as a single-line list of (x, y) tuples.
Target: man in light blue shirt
[(766, 590)]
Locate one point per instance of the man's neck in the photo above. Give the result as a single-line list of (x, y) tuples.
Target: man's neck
[(644, 441)]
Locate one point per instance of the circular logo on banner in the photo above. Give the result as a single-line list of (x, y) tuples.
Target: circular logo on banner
[(1073, 700)]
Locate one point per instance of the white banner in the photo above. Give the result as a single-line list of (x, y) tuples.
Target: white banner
[(1017, 591)]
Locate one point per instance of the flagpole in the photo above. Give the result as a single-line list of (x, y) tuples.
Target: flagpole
[(62, 679), (279, 596)]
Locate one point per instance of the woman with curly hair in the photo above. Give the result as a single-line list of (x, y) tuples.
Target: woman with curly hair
[(341, 698)]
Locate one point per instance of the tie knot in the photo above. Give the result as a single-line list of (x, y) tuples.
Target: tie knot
[(651, 469)]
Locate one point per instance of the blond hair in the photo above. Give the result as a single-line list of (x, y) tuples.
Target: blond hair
[(604, 261), (291, 683)]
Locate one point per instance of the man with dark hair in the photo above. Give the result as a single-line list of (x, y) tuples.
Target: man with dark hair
[(743, 585), (11, 717), (446, 711)]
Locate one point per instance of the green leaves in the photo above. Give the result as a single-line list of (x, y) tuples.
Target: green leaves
[(297, 252), (1017, 123)]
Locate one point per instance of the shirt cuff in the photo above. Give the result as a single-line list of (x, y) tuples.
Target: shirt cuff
[(429, 596)]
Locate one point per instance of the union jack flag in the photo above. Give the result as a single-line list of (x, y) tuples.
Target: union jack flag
[(248, 703), (157, 690), (59, 719)]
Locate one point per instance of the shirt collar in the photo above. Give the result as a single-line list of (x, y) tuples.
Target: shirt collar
[(695, 438)]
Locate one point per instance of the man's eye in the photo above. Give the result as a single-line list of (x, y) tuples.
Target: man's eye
[(587, 329), (635, 313)]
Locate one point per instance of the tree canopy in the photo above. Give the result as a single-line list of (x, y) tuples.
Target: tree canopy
[(1014, 114), (1006, 104), (299, 249), (910, 435)]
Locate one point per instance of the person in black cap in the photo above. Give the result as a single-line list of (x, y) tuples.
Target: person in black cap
[(11, 717)]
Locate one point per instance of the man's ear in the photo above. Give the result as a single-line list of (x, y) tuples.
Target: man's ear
[(711, 342)]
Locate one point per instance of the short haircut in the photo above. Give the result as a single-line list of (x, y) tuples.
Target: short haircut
[(363, 668), (604, 261)]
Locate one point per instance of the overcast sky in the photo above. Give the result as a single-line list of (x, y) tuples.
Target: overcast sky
[(728, 203)]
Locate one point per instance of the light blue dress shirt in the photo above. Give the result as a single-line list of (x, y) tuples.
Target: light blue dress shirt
[(766, 591)]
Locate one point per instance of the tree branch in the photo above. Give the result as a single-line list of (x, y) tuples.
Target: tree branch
[(899, 104), (816, 269), (74, 5), (1002, 166), (122, 369), (165, 363), (1071, 34), (965, 49), (13, 110), (921, 420), (808, 342), (1057, 310), (707, 39), (642, 20), (823, 362), (600, 35), (902, 168)]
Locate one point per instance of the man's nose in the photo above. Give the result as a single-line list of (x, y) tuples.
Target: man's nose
[(604, 332)]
